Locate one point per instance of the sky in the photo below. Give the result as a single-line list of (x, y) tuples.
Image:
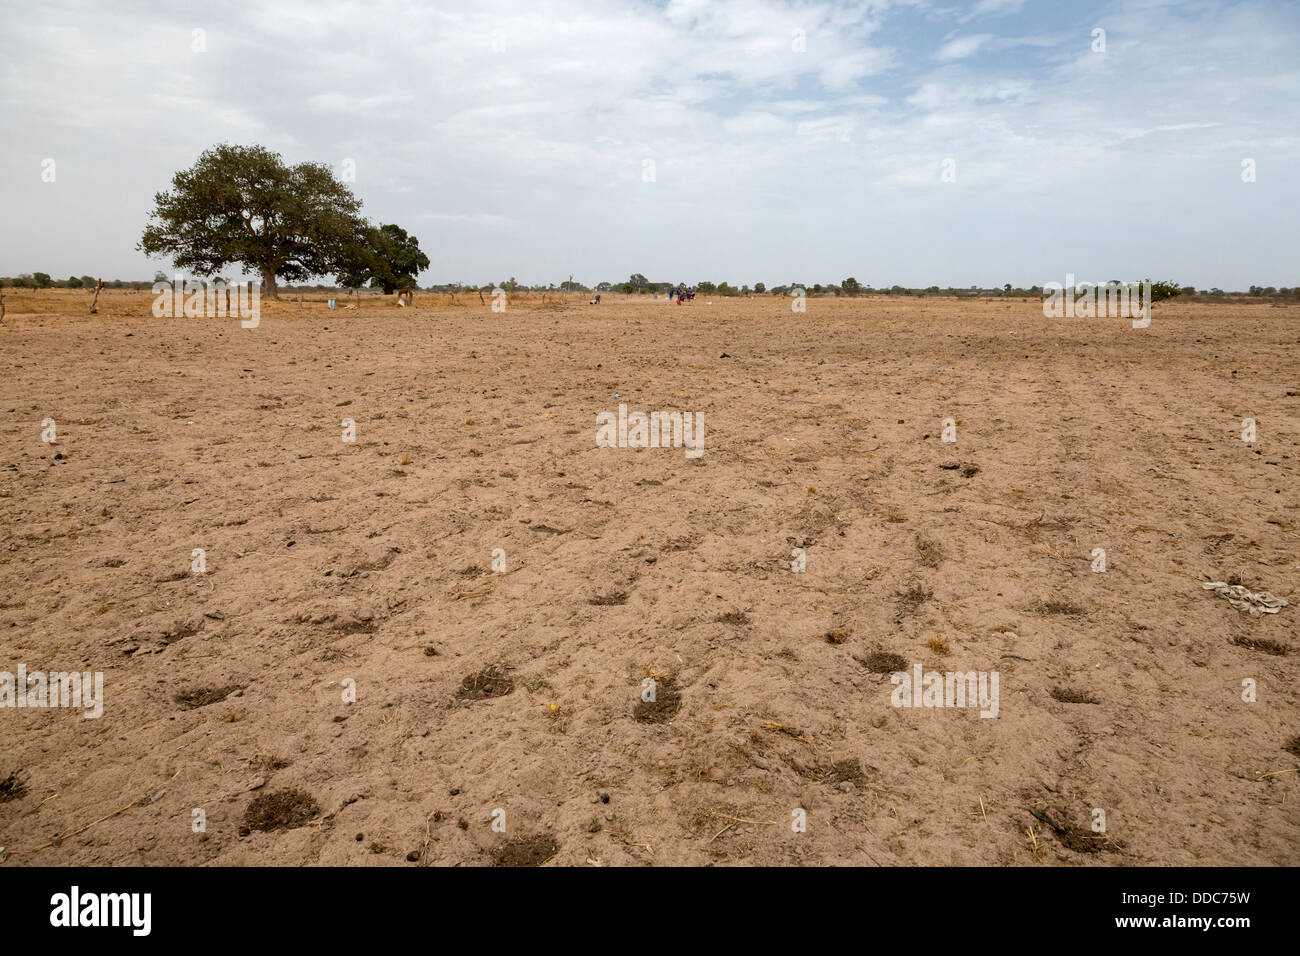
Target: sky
[(905, 142)]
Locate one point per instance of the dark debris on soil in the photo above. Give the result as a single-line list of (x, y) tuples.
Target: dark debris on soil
[(883, 662), (280, 810), (485, 685), (667, 702), (525, 851), (737, 618), (12, 787), (202, 696), (1073, 695), (1276, 648)]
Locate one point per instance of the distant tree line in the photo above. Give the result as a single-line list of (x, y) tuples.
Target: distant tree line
[(394, 267), (851, 287)]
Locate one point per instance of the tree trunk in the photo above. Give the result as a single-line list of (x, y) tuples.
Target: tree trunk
[(268, 284)]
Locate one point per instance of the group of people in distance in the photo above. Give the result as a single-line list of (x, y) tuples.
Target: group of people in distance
[(676, 295)]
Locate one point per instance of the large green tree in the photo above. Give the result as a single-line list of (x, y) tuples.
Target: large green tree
[(244, 206), (384, 258)]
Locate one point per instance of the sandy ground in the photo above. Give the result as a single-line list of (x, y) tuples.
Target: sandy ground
[(334, 567)]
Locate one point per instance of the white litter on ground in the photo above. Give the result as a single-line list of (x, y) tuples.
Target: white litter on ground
[(1254, 602)]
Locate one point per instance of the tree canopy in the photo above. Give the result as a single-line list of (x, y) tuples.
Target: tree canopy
[(244, 206), (384, 258)]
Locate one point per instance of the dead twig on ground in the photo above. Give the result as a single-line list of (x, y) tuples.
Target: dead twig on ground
[(720, 832), (724, 816), (71, 833)]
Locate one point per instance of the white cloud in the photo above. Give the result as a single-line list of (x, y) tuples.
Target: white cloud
[(933, 95), (998, 7), (962, 47)]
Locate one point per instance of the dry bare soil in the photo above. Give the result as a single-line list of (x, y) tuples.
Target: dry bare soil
[(516, 697)]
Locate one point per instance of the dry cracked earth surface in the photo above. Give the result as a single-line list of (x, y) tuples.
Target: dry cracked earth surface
[(498, 717)]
